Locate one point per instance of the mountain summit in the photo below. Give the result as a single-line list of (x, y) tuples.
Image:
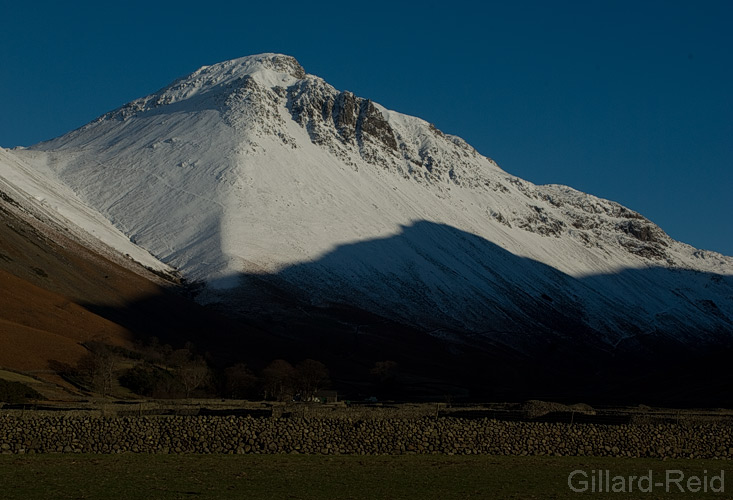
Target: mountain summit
[(259, 181)]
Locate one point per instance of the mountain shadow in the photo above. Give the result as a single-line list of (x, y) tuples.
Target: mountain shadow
[(464, 317)]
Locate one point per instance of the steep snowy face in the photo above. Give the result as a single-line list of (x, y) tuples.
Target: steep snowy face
[(27, 183), (253, 168), (162, 167), (197, 171)]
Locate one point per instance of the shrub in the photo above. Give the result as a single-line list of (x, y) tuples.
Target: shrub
[(148, 380), (15, 392)]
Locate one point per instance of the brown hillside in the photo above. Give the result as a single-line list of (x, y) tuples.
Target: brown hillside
[(37, 325), (47, 284), (55, 294)]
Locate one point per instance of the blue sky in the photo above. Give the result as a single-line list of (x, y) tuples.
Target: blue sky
[(627, 100)]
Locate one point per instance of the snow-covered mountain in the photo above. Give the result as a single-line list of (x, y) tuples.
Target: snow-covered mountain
[(251, 175)]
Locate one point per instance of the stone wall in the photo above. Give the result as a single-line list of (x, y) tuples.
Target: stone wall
[(29, 433)]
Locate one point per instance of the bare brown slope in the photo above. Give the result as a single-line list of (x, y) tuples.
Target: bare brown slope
[(37, 325), (56, 293), (48, 282), (50, 258), (44, 277)]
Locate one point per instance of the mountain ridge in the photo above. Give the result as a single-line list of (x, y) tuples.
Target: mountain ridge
[(252, 166)]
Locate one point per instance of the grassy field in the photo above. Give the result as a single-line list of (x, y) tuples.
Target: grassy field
[(323, 477)]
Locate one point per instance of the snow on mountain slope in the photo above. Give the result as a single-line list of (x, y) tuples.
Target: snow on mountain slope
[(25, 178), (252, 167)]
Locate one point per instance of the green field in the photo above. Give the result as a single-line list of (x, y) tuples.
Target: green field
[(327, 477)]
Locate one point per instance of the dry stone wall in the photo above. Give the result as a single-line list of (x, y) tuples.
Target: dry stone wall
[(30, 433)]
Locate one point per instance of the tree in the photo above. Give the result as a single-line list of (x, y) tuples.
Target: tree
[(277, 379), (179, 357), (192, 374), (97, 368), (149, 380), (239, 381), (310, 375), (384, 371), (384, 374)]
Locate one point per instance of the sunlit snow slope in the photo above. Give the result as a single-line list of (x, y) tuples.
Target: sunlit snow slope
[(25, 178), (253, 168)]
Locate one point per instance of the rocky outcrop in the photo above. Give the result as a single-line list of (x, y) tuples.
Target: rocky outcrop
[(330, 116)]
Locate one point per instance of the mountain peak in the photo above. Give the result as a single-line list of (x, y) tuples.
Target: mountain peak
[(248, 65), (268, 69)]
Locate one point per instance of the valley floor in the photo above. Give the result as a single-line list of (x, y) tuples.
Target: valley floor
[(349, 477)]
